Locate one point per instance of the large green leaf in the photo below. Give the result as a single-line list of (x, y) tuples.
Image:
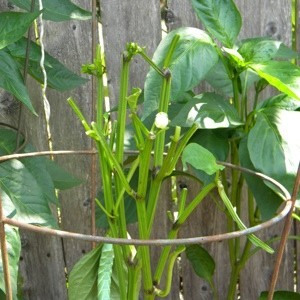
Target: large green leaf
[(105, 272), (274, 144), (200, 158), (283, 75), (8, 141), (192, 59), (83, 277), (58, 76), (267, 200), (56, 10), (281, 101), (203, 264), (208, 111), (11, 79), (214, 140), (281, 295), (62, 179), (13, 25), (258, 50), (26, 195), (221, 18), (48, 175), (13, 244), (37, 168)]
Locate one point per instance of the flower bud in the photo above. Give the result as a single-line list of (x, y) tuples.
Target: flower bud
[(161, 120)]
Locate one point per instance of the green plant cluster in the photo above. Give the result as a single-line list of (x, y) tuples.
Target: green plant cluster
[(176, 126), (233, 122)]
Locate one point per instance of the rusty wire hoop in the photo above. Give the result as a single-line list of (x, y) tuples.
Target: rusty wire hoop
[(151, 242)]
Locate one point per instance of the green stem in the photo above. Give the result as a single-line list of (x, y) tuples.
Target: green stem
[(151, 63), (143, 251), (236, 271), (79, 114), (171, 50), (134, 282), (112, 160), (176, 226), (236, 99), (164, 102), (244, 98), (172, 260), (120, 133), (166, 170), (100, 91), (109, 204), (255, 240), (163, 107)]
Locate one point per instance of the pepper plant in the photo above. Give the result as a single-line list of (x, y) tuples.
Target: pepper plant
[(198, 130)]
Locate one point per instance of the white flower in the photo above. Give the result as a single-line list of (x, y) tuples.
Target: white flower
[(161, 120)]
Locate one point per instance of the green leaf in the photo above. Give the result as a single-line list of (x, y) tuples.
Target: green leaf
[(208, 111), (221, 19), (62, 179), (8, 141), (218, 78), (13, 244), (11, 79), (37, 168), (283, 75), (281, 295), (56, 10), (192, 59), (214, 140), (267, 200), (203, 264), (24, 192), (83, 277), (274, 144), (281, 101), (235, 58), (59, 77), (105, 272), (114, 289), (285, 52), (13, 25), (258, 50), (200, 158)]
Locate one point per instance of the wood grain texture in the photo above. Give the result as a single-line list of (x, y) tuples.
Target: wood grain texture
[(41, 263), (123, 22)]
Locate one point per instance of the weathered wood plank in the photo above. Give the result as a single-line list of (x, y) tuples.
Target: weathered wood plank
[(41, 259), (71, 44), (123, 22)]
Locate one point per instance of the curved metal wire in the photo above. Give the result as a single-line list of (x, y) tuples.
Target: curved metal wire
[(152, 242)]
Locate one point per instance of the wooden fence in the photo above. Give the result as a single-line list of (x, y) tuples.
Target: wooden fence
[(44, 259)]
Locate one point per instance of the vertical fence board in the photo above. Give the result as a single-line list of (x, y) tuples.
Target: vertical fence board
[(41, 258), (123, 22), (70, 42)]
